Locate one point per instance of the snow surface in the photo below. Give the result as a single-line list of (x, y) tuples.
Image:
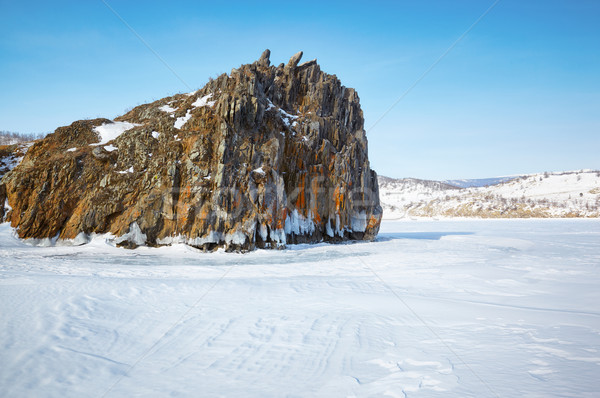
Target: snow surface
[(110, 131), (479, 308)]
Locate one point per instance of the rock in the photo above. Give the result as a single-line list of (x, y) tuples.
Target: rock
[(264, 58), (100, 153), (263, 157), (307, 64), (293, 62)]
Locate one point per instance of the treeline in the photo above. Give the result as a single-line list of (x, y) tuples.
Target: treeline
[(10, 137)]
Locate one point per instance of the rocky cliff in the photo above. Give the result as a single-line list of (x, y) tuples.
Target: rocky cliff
[(260, 157)]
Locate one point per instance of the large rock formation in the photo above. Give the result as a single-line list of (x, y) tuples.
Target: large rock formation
[(261, 157)]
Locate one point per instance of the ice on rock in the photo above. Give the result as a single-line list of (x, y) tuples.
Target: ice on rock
[(236, 238), (135, 235), (297, 224), (328, 229), (358, 221), (278, 236), (264, 232)]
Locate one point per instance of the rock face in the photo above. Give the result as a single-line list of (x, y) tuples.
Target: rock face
[(261, 157)]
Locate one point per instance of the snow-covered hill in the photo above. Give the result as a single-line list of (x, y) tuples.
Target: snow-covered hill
[(564, 194), (479, 182)]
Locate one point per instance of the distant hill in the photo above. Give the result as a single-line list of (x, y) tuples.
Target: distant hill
[(11, 138), (480, 182), (562, 194)]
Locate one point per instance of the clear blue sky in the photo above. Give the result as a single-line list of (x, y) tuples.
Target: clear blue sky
[(519, 94)]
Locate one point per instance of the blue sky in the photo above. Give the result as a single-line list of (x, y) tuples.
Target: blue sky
[(519, 94)]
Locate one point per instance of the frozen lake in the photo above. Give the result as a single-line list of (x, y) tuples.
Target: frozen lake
[(465, 308)]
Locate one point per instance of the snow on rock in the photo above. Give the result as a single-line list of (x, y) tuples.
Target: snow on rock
[(167, 108), (182, 120), (155, 134), (110, 131), (285, 117), (203, 101), (129, 170), (9, 162), (71, 149), (110, 148)]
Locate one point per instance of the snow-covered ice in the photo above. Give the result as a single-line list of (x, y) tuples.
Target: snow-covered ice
[(467, 308)]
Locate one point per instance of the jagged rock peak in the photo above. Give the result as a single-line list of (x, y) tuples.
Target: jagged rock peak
[(293, 62), (264, 58), (263, 157)]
